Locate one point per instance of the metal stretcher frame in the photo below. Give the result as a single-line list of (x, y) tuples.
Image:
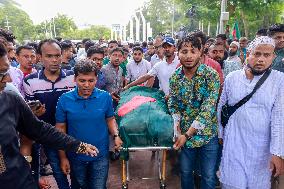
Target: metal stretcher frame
[(162, 169)]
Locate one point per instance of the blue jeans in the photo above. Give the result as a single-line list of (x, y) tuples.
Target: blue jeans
[(89, 174), (208, 158), (54, 161)]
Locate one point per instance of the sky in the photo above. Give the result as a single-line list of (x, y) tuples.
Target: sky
[(83, 12)]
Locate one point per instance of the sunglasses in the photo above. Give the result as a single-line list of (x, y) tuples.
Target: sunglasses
[(3, 75)]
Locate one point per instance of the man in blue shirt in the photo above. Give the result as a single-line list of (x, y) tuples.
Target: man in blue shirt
[(88, 112)]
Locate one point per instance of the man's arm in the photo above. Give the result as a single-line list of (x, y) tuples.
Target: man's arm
[(139, 81), (112, 125), (43, 133), (277, 124), (113, 129), (64, 162), (222, 101)]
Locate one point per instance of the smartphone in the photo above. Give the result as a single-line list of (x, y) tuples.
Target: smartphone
[(34, 104)]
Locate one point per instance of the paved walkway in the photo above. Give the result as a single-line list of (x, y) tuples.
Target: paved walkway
[(143, 171)]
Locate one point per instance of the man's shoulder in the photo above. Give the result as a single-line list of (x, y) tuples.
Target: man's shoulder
[(68, 72), (234, 75), (32, 76), (68, 95), (102, 94)]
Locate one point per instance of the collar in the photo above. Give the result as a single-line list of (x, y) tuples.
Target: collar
[(93, 95), (279, 51), (43, 77)]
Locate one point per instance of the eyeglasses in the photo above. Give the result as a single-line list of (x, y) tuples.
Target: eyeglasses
[(3, 75)]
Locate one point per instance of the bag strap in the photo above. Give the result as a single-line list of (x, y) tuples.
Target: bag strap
[(257, 86)]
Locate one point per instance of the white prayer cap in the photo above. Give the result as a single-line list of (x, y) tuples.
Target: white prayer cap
[(235, 43), (104, 45), (262, 40), (124, 43)]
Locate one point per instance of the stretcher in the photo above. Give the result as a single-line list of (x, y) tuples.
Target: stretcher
[(125, 173)]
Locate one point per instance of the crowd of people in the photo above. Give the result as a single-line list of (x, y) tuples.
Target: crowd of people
[(76, 89)]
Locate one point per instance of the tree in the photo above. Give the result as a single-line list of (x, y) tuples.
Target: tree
[(94, 32), (20, 22), (251, 15)]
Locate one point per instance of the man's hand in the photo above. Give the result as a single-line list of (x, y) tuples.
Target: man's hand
[(220, 141), (43, 183), (117, 143), (115, 97), (276, 165), (180, 142), (167, 97), (39, 111), (125, 88), (65, 165)]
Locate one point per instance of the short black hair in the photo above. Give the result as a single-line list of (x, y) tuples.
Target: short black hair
[(150, 43), (33, 44), (89, 44), (125, 50), (144, 44), (117, 49), (8, 35), (66, 45), (59, 39), (84, 67), (200, 35), (195, 42), (85, 40), (222, 36), (137, 48), (262, 32), (112, 41), (49, 41), (95, 50), (3, 50), (20, 48), (275, 28)]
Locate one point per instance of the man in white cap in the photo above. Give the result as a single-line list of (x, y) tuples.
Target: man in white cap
[(253, 138), (233, 62)]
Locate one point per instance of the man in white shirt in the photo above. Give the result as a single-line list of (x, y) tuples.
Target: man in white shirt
[(164, 69), (138, 66), (253, 137)]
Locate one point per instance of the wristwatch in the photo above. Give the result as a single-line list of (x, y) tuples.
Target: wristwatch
[(187, 136), (115, 135), (28, 158)]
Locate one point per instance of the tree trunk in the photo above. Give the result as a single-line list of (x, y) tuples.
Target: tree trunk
[(245, 23)]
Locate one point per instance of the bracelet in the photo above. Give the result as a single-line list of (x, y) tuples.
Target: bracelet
[(187, 136), (82, 149)]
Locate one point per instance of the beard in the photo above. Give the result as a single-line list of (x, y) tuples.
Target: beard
[(189, 67), (231, 53), (137, 61), (257, 72)]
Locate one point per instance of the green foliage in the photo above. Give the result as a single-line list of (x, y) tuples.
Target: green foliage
[(94, 32), (251, 14), (24, 29), (20, 22)]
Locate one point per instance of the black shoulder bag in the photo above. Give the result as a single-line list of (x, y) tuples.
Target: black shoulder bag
[(228, 110)]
